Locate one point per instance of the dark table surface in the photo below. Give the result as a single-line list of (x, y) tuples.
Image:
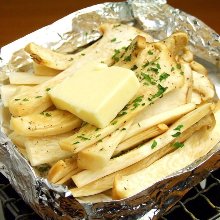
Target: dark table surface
[(18, 18)]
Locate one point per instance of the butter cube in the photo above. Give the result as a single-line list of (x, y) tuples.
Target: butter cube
[(96, 93)]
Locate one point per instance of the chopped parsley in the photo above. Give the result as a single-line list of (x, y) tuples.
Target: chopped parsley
[(150, 52), (37, 97), (148, 78), (47, 114), (25, 100), (125, 108), (159, 93), (152, 63), (177, 134), (98, 135), (125, 48), (76, 142), (178, 66), (83, 54), (114, 122), (146, 64), (137, 102), (83, 138), (17, 99), (127, 58), (123, 129), (48, 89), (97, 129), (115, 57), (172, 69), (178, 128), (156, 70), (113, 40), (134, 67), (178, 145), (121, 113), (154, 144), (158, 66), (116, 25), (163, 76)]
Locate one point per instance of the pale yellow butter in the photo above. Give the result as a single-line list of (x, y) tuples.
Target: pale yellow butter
[(96, 93)]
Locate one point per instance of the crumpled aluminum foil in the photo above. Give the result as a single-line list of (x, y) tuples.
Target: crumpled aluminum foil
[(71, 33)]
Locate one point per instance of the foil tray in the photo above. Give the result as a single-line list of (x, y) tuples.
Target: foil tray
[(67, 35)]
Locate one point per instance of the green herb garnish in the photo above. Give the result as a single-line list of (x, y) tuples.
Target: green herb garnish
[(163, 76), (154, 144), (148, 78), (121, 113), (178, 66), (158, 66), (178, 128), (114, 122), (150, 52), (137, 102), (159, 93), (178, 145), (153, 69), (146, 64), (113, 40), (83, 138), (177, 134), (127, 58), (134, 67), (115, 57), (116, 25)]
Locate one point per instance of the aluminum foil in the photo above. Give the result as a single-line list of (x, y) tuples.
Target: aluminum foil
[(70, 34)]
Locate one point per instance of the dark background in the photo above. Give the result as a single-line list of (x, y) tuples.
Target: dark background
[(20, 17)]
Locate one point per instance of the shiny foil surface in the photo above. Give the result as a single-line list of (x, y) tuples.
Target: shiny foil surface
[(70, 34)]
